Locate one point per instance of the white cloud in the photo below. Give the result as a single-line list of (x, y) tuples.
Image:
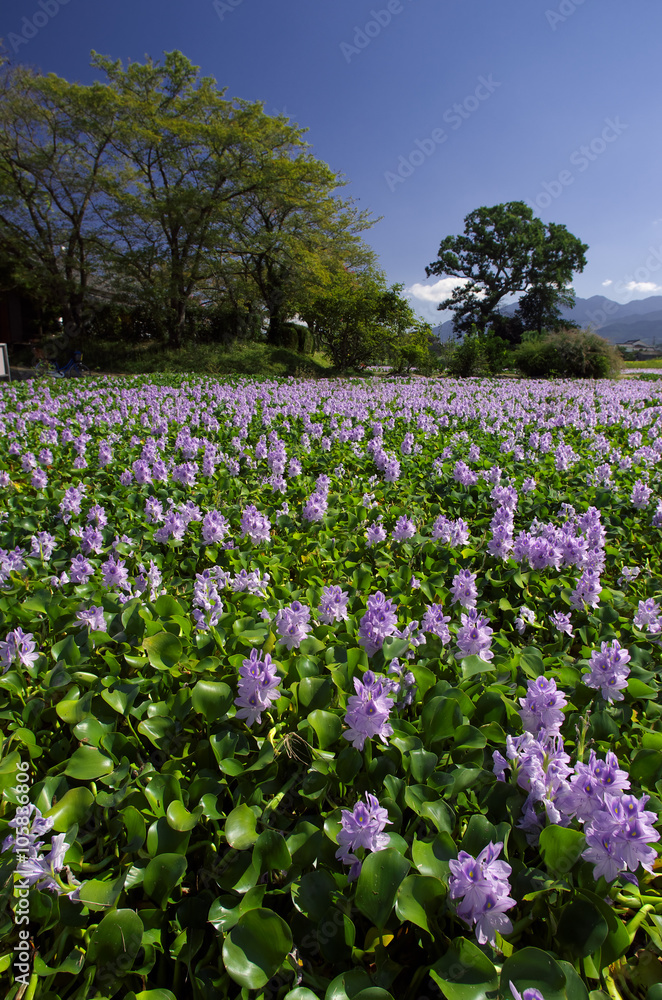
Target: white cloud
[(607, 282), (436, 293), (642, 286)]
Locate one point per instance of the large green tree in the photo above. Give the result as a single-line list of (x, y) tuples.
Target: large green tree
[(154, 192), (358, 320), (55, 160), (506, 251)]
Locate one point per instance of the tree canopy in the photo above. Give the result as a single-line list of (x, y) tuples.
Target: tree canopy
[(505, 251), (155, 193)]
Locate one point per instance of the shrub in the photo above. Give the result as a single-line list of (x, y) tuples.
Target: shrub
[(568, 353), (478, 355)]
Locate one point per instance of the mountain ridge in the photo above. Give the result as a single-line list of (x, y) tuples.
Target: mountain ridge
[(617, 322)]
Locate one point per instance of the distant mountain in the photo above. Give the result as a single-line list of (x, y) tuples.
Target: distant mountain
[(638, 320)]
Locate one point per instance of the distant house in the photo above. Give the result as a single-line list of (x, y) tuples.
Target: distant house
[(639, 349)]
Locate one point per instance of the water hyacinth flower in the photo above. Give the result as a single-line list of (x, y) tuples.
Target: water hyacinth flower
[(609, 671), (531, 994), (292, 624), (481, 884), (403, 685), (436, 622), (641, 494), (526, 617), (541, 711), (18, 647), (208, 606), (379, 621), (464, 589), (92, 619), (361, 828), (618, 837), (368, 710), (214, 527), (258, 687), (40, 871), (333, 605), (561, 622), (374, 533), (474, 637), (404, 528), (649, 616), (315, 507), (255, 525)]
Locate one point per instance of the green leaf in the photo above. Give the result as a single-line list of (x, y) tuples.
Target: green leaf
[(561, 848), (162, 875), (440, 719), (99, 895), (240, 828), (417, 897), (256, 947), (531, 968), (164, 650), (464, 972), (179, 818), (313, 893), (73, 807), (211, 699), (327, 727), (381, 874), (617, 941), (115, 943), (473, 665), (581, 928), (88, 764), (270, 853)]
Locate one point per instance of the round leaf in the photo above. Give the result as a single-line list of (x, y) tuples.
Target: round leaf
[(162, 875), (464, 972), (73, 807), (256, 947), (240, 831), (381, 874), (88, 764)]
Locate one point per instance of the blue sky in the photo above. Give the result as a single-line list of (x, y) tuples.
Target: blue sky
[(429, 108)]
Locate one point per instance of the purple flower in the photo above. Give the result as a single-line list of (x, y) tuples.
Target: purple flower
[(361, 828), (114, 573), (561, 622), (258, 687), (374, 533), (207, 601), (44, 544), (368, 710), (526, 617), (464, 588), (436, 622), (39, 479), (91, 618), (18, 647), (618, 837), (333, 605), (541, 709), (292, 624), (214, 527), (474, 637), (483, 884), (641, 494), (257, 526), (531, 994), (404, 528), (609, 670), (379, 621), (315, 507), (649, 616), (404, 685), (80, 570), (587, 590)]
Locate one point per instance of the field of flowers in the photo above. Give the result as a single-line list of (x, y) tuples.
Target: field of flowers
[(335, 690)]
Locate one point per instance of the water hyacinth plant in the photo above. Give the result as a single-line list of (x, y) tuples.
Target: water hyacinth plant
[(331, 689)]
